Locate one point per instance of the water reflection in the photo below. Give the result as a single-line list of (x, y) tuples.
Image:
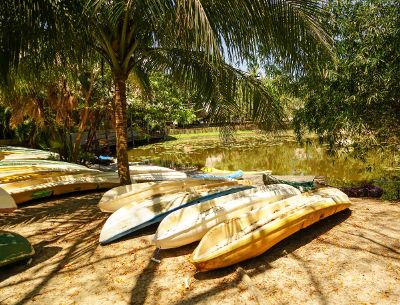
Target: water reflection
[(282, 155)]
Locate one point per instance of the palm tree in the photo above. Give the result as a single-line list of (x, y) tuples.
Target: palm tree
[(190, 41)]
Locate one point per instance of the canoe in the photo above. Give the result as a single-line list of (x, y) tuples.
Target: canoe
[(255, 232), (118, 197), (20, 149), (142, 169), (7, 203), (36, 164), (303, 183), (13, 248), (13, 152), (44, 187), (221, 171), (158, 176), (234, 175), (134, 216), (192, 223), (22, 175), (124, 190)]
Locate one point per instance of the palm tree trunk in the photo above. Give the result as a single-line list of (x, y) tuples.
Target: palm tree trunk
[(121, 129)]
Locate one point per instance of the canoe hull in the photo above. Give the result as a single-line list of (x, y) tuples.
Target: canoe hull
[(13, 248), (138, 192), (133, 217), (192, 223), (262, 239), (7, 202), (40, 188), (260, 246)]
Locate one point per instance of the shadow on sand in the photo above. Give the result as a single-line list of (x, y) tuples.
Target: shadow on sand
[(74, 220), (262, 263)]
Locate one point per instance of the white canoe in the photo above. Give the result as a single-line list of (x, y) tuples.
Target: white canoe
[(152, 172), (124, 190), (134, 216), (7, 203), (135, 193), (255, 232), (13, 153), (190, 224), (38, 188), (38, 163), (143, 169), (158, 176), (27, 174)]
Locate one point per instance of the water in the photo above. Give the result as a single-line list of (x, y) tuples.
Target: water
[(281, 154)]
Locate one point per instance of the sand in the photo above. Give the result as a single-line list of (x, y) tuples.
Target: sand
[(349, 258)]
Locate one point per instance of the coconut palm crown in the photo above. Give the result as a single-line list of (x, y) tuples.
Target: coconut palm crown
[(192, 41)]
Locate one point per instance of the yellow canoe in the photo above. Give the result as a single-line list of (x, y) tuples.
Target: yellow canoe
[(255, 232), (22, 175), (43, 187)]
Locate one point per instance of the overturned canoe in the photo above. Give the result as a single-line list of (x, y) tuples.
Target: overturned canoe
[(134, 216), (136, 193), (44, 187), (303, 183), (24, 170), (13, 152), (216, 171), (232, 175), (54, 165), (255, 232), (142, 169), (191, 223), (7, 203), (27, 174), (13, 248), (158, 176)]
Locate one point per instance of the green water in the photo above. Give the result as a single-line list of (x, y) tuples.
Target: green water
[(281, 154)]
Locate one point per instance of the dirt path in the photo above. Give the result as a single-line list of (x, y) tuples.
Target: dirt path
[(350, 258)]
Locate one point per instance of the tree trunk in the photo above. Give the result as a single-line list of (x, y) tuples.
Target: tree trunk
[(82, 127), (84, 118), (121, 129)]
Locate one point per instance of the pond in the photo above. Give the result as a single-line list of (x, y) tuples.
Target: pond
[(281, 154)]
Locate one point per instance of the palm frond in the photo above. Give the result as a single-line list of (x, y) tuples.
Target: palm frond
[(223, 91)]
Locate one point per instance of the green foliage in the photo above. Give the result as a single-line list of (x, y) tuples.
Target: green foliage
[(168, 104), (356, 98)]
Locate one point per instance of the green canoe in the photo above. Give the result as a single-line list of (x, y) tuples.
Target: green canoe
[(14, 247)]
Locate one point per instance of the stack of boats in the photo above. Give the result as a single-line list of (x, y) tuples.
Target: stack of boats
[(24, 176), (233, 220)]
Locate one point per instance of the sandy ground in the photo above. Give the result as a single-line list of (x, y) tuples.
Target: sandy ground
[(350, 258)]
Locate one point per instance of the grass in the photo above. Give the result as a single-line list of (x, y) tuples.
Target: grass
[(210, 134)]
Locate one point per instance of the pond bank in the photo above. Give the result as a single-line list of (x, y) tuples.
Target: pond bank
[(350, 258), (257, 151)]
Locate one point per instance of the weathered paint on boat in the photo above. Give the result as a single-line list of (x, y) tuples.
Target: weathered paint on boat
[(253, 233), (133, 217), (44, 187), (190, 224), (136, 193)]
